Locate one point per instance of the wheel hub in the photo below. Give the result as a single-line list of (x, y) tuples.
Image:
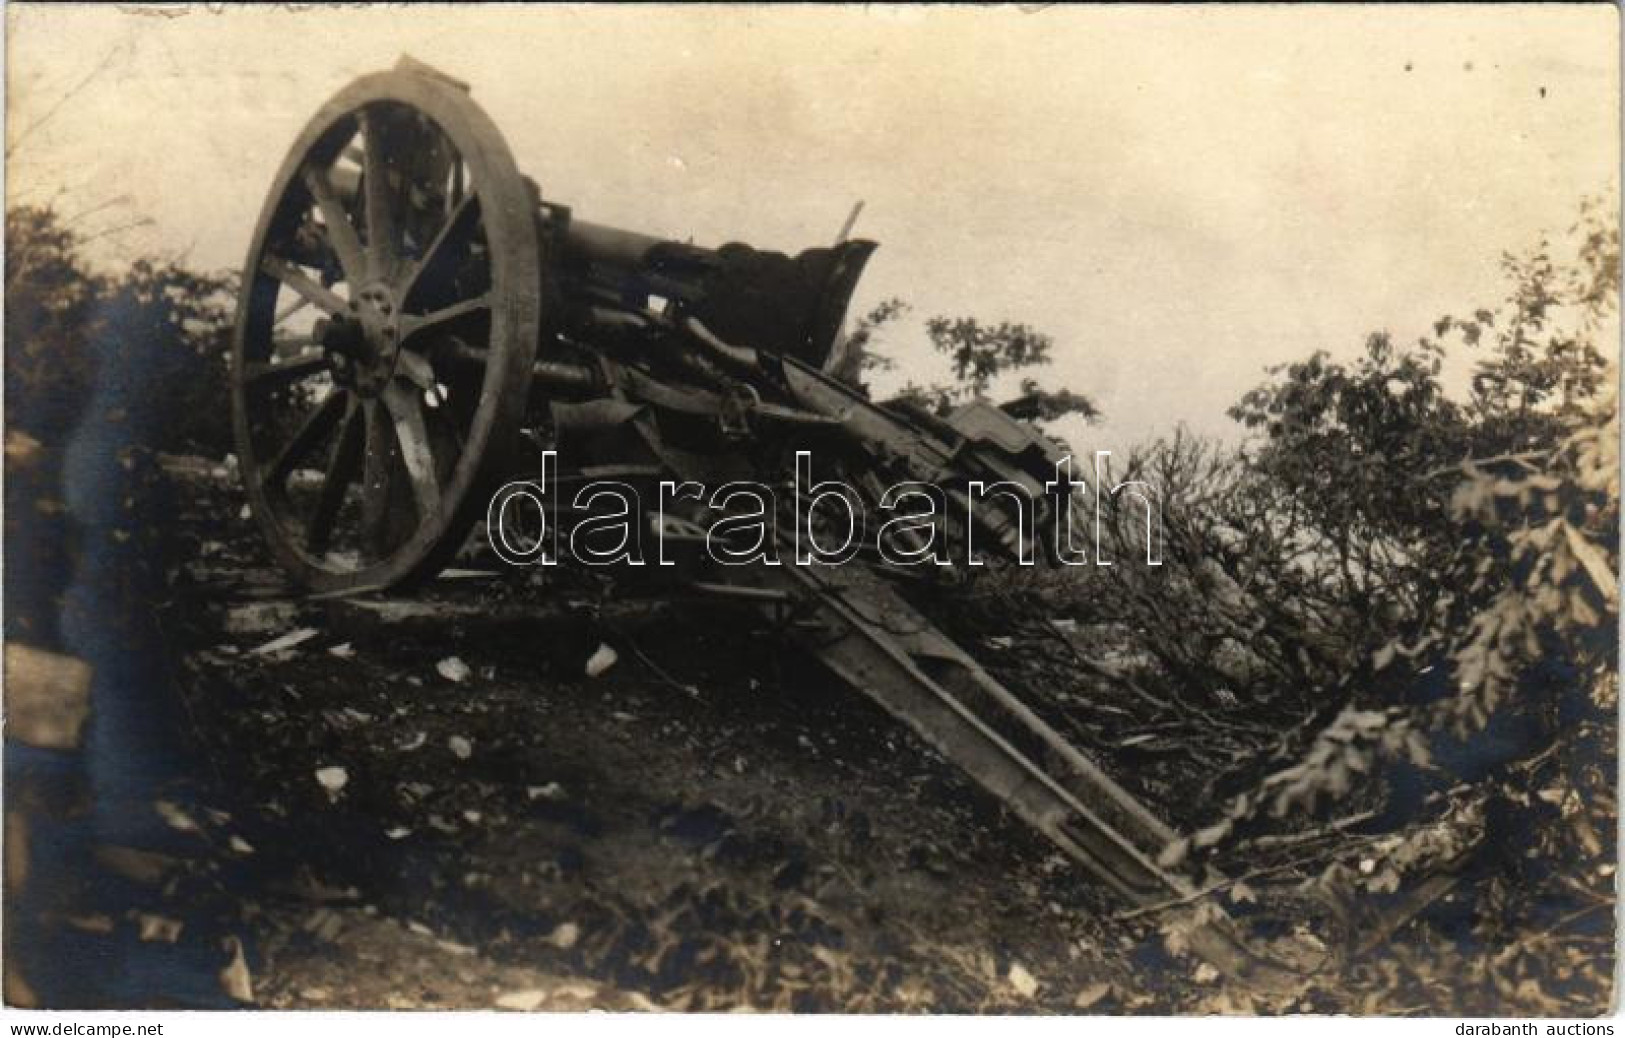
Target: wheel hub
[(363, 344)]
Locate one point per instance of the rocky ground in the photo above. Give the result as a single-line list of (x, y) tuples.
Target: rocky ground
[(445, 809), (514, 793)]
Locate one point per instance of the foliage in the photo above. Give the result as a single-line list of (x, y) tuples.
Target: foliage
[(1503, 558), (977, 354), (1412, 571), (52, 308), (168, 331), (152, 340), (1036, 404), (861, 353)]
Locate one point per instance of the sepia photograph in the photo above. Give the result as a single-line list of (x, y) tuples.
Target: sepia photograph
[(976, 510)]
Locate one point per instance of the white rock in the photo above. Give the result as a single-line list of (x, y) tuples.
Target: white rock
[(1025, 983), (175, 817), (601, 660), (235, 978), (522, 1001), (159, 928), (332, 778), (551, 791), (287, 641), (453, 669), (565, 935), (461, 747), (1091, 994)]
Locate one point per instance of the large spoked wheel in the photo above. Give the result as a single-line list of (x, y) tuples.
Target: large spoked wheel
[(385, 335)]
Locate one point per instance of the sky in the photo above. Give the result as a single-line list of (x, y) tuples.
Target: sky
[(1179, 196)]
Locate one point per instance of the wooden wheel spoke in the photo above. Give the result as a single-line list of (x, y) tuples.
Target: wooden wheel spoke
[(412, 437), (377, 476), (416, 369), (342, 470), (454, 349), (429, 156), (289, 310), (382, 231), (270, 376), (305, 439), (454, 235), (296, 279), (413, 324), (340, 233)]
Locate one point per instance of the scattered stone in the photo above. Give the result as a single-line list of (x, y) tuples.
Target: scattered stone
[(601, 660), (21, 449), (453, 669), (288, 641), (174, 817), (240, 845), (353, 717), (333, 779), (343, 650), (461, 747), (552, 791), (524, 1001), (235, 979), (1025, 983), (1091, 995), (564, 936)]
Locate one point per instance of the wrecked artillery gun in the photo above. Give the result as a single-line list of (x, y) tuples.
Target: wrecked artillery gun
[(418, 327)]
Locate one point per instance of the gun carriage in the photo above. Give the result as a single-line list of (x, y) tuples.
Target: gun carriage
[(419, 326)]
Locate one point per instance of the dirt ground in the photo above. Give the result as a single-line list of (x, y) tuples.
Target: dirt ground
[(432, 803)]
